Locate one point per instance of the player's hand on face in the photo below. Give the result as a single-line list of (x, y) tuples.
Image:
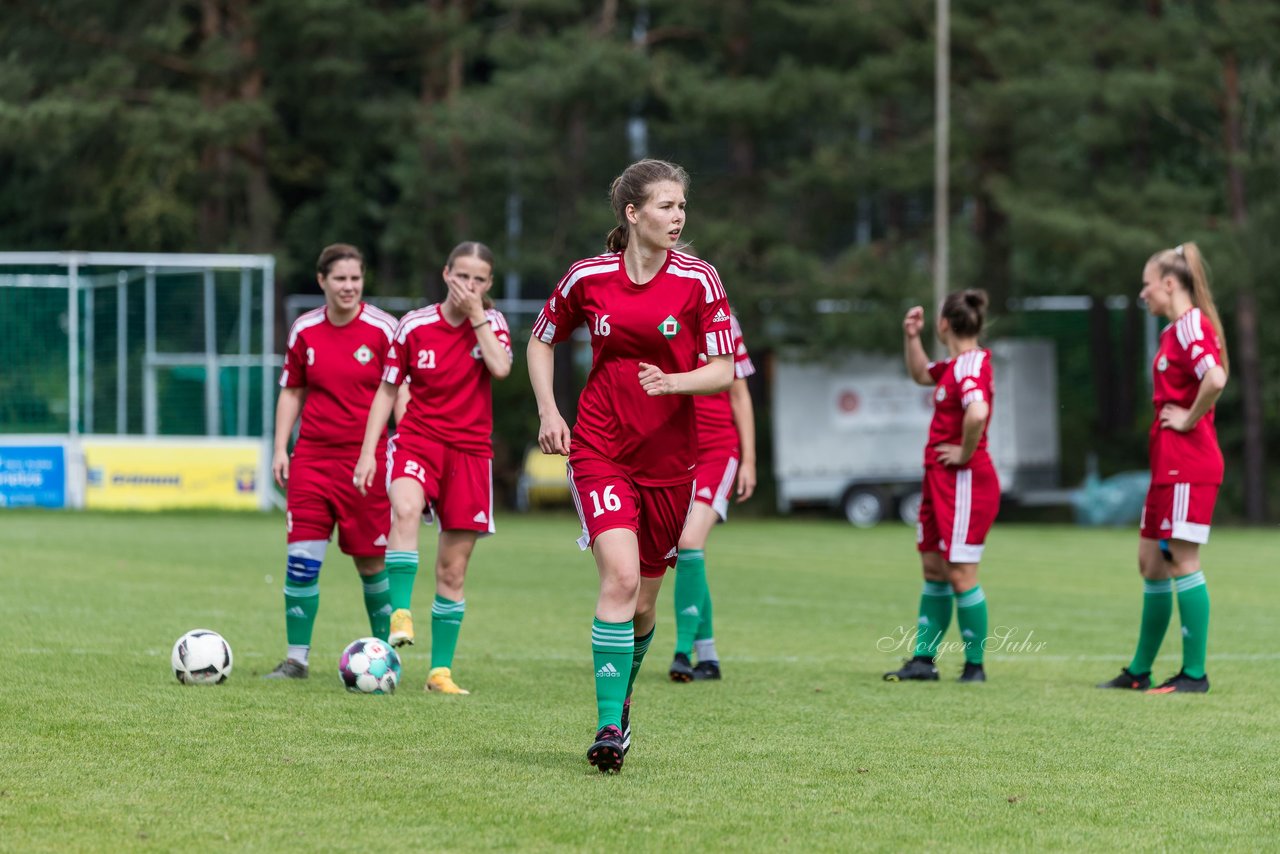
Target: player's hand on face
[(950, 455), (366, 468), (280, 468), (553, 435), (746, 481), (913, 322), (465, 296), (1175, 418), (654, 381)]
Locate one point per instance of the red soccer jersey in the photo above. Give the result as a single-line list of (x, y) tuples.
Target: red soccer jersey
[(960, 381), (1189, 348), (717, 432), (340, 367), (450, 396), (668, 322)]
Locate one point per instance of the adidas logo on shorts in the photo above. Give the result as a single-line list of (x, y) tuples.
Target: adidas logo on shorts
[(480, 517), (705, 492)]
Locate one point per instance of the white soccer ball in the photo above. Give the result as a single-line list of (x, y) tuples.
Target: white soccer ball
[(369, 666), (201, 657)]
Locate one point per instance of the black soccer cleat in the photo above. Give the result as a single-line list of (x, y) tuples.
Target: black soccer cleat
[(626, 727), (1182, 684), (706, 670), (1128, 681), (918, 669), (681, 670), (289, 669), (607, 752), (972, 673)]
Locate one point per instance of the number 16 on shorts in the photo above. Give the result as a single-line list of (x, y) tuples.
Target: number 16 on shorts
[(609, 502), (605, 498)]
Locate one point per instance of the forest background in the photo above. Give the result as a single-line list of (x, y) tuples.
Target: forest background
[(1085, 135)]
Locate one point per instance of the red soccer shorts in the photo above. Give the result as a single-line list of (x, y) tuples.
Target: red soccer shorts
[(607, 498), (319, 494), (458, 487), (714, 479), (957, 509), (1179, 511)]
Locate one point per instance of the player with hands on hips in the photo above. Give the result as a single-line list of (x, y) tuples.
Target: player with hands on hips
[(1187, 377)]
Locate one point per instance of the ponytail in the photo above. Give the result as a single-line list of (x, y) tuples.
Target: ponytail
[(616, 241), (1186, 264)]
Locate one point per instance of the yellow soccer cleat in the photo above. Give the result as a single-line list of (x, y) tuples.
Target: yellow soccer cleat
[(401, 628), (441, 679)]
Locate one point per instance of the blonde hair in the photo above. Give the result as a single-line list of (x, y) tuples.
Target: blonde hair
[(1186, 264), (632, 188)]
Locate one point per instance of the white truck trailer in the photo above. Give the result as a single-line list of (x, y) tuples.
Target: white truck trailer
[(850, 434)]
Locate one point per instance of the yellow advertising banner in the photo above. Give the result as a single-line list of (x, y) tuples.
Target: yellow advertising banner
[(164, 474)]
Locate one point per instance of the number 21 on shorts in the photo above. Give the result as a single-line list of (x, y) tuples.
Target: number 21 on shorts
[(611, 502)]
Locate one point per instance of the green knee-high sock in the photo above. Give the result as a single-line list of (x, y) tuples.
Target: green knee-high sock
[(936, 602), (377, 603), (690, 594), (446, 622), (637, 658), (613, 646), (301, 602), (402, 569), (706, 631), (1193, 609), (971, 615), (1157, 609)]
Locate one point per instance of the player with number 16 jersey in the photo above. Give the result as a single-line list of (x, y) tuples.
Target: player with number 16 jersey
[(652, 310)]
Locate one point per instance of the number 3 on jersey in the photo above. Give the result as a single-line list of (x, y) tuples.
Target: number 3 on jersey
[(611, 501), (427, 359)]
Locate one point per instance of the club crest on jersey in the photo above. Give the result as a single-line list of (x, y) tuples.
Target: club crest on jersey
[(364, 355), (1162, 363), (475, 352), (669, 327), (941, 394)]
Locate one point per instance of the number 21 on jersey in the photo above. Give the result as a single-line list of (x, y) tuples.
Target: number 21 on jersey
[(427, 359)]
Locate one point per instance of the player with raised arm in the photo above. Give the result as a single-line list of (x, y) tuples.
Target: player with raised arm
[(726, 466), (1188, 376), (440, 460), (961, 493), (652, 310), (333, 365)]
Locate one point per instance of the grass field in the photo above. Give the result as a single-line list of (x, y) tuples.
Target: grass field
[(801, 747)]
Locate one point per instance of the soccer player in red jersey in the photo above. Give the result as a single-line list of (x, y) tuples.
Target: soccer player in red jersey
[(1189, 374), (440, 460), (332, 369), (961, 493), (726, 465), (652, 310)]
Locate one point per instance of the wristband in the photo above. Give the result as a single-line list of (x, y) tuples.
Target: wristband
[(484, 322)]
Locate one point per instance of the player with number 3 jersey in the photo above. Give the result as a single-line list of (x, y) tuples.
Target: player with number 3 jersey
[(333, 362), (652, 310), (440, 460)]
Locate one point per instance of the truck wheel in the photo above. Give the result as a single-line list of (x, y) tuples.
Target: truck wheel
[(864, 507), (909, 507)]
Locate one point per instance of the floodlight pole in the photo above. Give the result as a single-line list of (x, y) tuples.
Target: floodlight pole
[(941, 149)]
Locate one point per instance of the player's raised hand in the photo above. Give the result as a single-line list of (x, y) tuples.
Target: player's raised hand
[(913, 322), (553, 435), (746, 481), (280, 468), (654, 381), (466, 298), (366, 468)]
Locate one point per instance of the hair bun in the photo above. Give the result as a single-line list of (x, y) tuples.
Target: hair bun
[(976, 298)]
